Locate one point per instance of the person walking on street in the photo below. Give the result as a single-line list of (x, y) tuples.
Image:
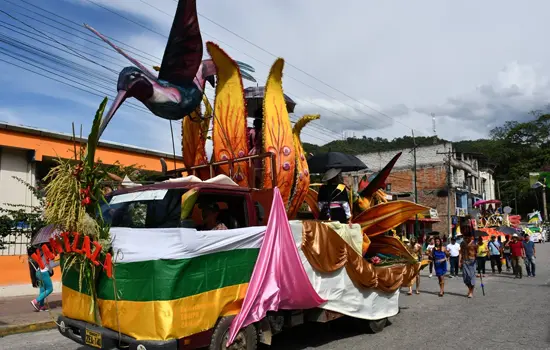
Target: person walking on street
[(495, 255), (416, 251), (482, 252), (518, 253), (439, 257), (529, 248), (507, 253), (429, 249), (467, 263), (44, 277), (454, 252)]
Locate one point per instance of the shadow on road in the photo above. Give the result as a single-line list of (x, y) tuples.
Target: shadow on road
[(463, 295), (318, 334)]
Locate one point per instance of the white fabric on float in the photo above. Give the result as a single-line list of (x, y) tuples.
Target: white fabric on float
[(143, 244), (341, 293), (180, 243)]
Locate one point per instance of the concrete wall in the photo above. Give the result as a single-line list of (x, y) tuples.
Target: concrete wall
[(424, 156), (15, 163), (488, 185)]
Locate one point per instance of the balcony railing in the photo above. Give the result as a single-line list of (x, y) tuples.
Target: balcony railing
[(461, 212)]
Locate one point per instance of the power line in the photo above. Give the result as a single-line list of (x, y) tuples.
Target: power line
[(72, 51), (305, 84), (78, 28), (297, 68), (124, 44)]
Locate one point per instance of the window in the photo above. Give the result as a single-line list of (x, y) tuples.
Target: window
[(144, 209), (162, 209), (233, 209)]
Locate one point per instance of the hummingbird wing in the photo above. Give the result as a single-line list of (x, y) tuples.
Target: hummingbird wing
[(144, 69), (379, 179), (183, 53)]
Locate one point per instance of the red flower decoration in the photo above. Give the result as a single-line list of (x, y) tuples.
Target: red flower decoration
[(375, 260), (86, 201)]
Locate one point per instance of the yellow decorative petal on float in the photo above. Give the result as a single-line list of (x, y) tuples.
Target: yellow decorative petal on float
[(383, 217), (229, 131), (302, 180), (194, 132), (311, 201), (277, 133)]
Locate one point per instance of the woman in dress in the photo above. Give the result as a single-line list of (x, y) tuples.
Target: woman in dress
[(416, 251), (439, 256)]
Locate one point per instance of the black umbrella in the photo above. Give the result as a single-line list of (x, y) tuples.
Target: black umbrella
[(255, 100), (322, 162), (478, 233), (507, 230)]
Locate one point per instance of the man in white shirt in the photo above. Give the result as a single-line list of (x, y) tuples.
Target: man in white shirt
[(454, 249)]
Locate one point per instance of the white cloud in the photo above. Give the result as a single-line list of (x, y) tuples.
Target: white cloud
[(403, 59)]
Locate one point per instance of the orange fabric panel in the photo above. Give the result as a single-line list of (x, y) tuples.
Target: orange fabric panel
[(327, 252)]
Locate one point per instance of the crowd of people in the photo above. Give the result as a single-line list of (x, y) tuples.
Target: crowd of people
[(470, 254)]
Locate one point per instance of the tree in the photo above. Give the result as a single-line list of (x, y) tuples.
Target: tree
[(22, 220), (512, 151)]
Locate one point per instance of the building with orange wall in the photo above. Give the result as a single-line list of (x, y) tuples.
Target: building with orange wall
[(28, 153)]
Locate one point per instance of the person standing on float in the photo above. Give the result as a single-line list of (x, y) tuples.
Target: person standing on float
[(333, 198)]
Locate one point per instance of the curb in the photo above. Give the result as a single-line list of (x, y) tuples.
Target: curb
[(26, 328)]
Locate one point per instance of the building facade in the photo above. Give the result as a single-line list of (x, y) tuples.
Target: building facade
[(447, 181), (28, 154)]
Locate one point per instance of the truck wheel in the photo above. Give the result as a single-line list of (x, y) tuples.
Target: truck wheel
[(377, 326), (246, 339)]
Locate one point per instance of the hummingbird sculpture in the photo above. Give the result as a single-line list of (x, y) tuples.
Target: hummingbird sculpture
[(179, 87)]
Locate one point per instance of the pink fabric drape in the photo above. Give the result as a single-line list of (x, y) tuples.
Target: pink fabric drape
[(279, 280)]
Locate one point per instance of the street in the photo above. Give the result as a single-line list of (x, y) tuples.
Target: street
[(514, 314)]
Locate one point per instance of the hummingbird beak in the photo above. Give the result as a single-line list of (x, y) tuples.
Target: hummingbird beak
[(119, 99)]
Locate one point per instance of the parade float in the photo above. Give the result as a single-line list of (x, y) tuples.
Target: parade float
[(493, 220), (139, 268)]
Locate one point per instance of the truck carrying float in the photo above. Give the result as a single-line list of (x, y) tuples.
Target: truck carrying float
[(141, 270)]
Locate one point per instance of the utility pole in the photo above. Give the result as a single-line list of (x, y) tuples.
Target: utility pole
[(416, 226), (433, 127), (449, 190)]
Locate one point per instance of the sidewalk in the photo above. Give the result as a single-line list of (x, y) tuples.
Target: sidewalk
[(18, 316)]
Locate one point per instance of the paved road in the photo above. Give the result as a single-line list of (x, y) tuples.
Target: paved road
[(514, 314)]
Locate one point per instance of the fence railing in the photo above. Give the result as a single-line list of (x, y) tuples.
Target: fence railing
[(15, 244)]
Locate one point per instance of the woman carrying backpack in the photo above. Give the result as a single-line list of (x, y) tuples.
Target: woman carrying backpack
[(44, 277)]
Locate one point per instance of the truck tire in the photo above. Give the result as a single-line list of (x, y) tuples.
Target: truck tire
[(246, 339), (377, 326)]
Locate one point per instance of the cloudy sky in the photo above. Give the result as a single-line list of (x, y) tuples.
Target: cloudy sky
[(368, 67)]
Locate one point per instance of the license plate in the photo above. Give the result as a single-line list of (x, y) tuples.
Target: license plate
[(93, 339)]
